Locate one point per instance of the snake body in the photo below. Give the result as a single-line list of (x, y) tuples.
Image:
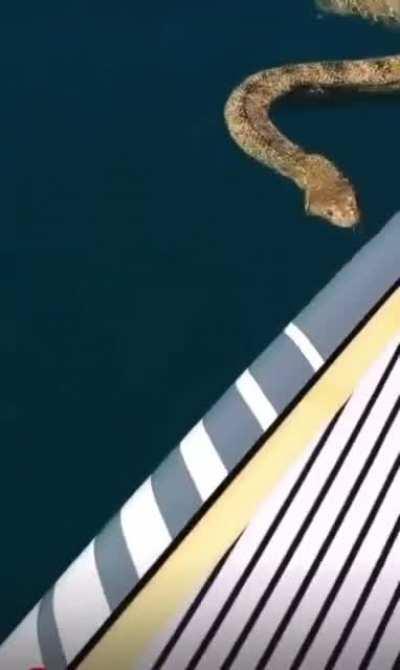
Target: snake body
[(328, 192)]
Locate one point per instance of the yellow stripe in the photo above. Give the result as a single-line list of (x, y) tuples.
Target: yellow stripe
[(177, 578)]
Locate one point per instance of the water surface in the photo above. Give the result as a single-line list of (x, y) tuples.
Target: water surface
[(155, 260)]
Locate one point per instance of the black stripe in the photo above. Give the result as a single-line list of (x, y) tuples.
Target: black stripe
[(231, 476), (192, 609), (337, 650), (261, 547), (311, 514), (396, 665), (328, 540), (345, 568), (395, 599)]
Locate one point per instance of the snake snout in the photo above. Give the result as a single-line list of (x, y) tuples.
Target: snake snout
[(338, 204)]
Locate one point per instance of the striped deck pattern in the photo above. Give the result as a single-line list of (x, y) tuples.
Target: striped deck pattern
[(314, 581), (60, 626), (163, 593)]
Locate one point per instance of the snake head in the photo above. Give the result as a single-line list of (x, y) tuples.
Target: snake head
[(330, 196)]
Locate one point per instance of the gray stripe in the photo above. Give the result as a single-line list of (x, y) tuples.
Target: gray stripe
[(232, 427), (49, 638), (281, 371), (175, 492), (349, 296), (114, 563)]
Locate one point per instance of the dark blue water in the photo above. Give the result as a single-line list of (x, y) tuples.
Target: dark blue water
[(155, 260)]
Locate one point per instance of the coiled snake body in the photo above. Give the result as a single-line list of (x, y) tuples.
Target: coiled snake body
[(328, 193)]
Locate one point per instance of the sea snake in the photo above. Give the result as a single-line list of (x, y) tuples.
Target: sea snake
[(328, 193)]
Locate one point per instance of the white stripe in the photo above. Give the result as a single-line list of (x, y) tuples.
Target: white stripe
[(388, 649), (144, 528), (80, 606), (305, 345), (202, 460), (229, 574), (256, 400), (21, 650), (372, 613), (358, 574), (316, 532), (279, 544)]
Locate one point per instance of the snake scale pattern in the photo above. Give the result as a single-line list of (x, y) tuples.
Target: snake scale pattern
[(328, 192)]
